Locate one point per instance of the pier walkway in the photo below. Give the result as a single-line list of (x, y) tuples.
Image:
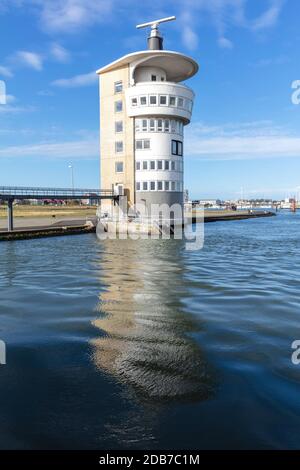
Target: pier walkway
[(13, 193)]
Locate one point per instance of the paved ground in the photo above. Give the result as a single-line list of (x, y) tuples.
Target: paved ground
[(29, 223)]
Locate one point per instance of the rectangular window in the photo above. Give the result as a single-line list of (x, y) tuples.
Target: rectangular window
[(152, 125), (159, 185), (173, 185), (138, 165), (119, 126), (118, 87), (167, 165), (172, 101), (119, 146), (134, 102), (159, 164), (145, 165), (167, 185), (145, 186), (153, 78), (118, 106), (152, 185), (143, 100), (163, 100), (138, 186), (142, 144), (153, 100), (180, 102), (137, 125), (159, 125), (144, 125), (167, 125), (119, 167), (173, 126), (152, 165), (177, 148), (173, 167)]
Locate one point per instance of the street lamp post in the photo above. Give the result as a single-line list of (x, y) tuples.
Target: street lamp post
[(72, 176)]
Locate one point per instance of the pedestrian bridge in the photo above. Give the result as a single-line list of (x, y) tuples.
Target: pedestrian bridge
[(12, 193)]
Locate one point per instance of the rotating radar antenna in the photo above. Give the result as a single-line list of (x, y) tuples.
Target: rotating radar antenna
[(155, 40)]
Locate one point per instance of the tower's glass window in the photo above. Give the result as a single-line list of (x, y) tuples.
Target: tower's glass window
[(153, 100), (119, 167), (167, 165), (163, 100), (138, 165), (145, 165), (137, 125), (152, 125), (118, 87), (173, 185), (180, 102), (173, 126), (144, 125), (145, 186), (134, 102), (119, 146), (118, 106), (152, 185), (119, 126), (172, 101), (159, 164), (173, 166), (139, 145), (143, 100), (159, 125), (152, 165), (167, 185), (177, 148), (138, 186), (153, 78), (167, 125), (146, 144), (159, 185)]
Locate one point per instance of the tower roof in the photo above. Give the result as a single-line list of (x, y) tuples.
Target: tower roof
[(178, 67)]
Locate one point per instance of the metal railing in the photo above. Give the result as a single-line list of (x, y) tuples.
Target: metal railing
[(52, 193)]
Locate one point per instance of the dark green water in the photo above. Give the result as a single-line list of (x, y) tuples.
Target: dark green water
[(144, 345)]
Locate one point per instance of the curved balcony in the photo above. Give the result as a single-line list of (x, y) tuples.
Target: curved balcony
[(160, 99)]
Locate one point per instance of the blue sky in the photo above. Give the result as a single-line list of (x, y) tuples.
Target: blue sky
[(245, 129)]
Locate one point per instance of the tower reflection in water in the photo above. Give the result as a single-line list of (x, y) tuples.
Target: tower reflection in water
[(146, 340)]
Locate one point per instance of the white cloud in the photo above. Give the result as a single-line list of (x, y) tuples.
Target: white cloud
[(77, 81), (224, 14), (225, 43), (241, 141), (29, 59), (59, 53), (5, 72), (72, 15), (270, 17), (87, 149), (9, 109)]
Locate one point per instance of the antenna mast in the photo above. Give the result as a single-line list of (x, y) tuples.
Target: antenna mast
[(155, 40)]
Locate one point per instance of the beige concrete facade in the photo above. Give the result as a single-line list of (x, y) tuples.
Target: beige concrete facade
[(109, 136)]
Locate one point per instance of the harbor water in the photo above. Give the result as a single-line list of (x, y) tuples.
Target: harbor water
[(145, 345)]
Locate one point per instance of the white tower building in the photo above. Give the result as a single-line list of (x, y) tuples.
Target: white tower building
[(144, 108)]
